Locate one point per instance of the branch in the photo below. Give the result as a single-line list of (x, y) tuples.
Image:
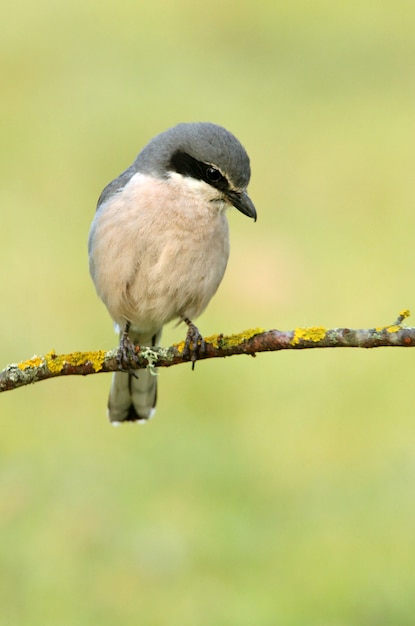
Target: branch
[(248, 342)]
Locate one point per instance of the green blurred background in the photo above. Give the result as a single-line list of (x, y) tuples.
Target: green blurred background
[(275, 490)]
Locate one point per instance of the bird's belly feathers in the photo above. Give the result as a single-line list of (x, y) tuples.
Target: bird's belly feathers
[(183, 279), (150, 267)]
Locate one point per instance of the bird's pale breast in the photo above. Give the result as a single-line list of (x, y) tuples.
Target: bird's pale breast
[(158, 251)]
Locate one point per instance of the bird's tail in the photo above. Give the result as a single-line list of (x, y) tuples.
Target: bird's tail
[(133, 395)]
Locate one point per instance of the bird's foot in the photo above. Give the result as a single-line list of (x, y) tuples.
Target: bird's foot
[(126, 352), (194, 346)]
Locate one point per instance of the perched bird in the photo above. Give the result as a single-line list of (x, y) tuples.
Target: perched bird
[(158, 244)]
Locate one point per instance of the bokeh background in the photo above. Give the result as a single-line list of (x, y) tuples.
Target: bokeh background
[(275, 490)]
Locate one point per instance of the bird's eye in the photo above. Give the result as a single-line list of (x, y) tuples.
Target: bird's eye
[(213, 175)]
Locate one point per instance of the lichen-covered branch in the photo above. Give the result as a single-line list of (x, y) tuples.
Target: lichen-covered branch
[(248, 342)]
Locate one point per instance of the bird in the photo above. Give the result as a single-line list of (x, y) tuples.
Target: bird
[(158, 245)]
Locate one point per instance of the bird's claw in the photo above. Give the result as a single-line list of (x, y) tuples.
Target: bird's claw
[(126, 352), (195, 345)]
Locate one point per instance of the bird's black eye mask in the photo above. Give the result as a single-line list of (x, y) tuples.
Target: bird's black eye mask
[(186, 165)]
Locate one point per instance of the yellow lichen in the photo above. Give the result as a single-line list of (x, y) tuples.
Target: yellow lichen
[(393, 329), (230, 341), (314, 334), (226, 341), (35, 361), (179, 346), (96, 359), (56, 362)]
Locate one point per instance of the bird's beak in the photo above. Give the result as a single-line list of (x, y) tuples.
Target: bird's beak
[(242, 202)]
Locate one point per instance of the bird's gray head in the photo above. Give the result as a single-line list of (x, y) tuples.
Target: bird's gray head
[(200, 150)]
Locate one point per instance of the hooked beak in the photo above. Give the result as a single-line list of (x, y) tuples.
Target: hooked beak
[(242, 202)]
